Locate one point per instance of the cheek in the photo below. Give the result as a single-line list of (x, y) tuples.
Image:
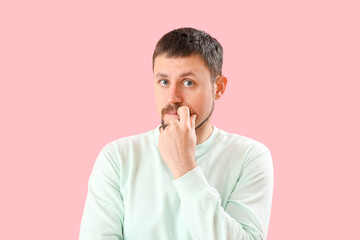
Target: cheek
[(200, 106)]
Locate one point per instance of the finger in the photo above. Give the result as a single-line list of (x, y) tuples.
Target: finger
[(184, 114), (164, 127), (173, 121), (192, 120)]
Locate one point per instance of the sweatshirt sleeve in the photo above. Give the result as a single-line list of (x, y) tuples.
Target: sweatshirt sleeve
[(246, 213), (103, 212)]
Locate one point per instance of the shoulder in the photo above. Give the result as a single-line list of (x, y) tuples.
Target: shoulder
[(256, 160), (125, 144), (114, 153), (250, 153), (242, 143)]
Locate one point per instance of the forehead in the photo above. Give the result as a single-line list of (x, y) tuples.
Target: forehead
[(179, 65)]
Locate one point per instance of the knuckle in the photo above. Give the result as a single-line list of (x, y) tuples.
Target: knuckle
[(187, 128)]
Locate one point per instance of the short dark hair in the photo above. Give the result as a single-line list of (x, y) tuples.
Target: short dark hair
[(185, 42)]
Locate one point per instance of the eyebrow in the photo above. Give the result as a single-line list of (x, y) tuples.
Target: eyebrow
[(182, 75)]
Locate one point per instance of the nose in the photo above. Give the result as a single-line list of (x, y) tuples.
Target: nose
[(174, 94)]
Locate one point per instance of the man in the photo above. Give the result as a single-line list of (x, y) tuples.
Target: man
[(185, 179)]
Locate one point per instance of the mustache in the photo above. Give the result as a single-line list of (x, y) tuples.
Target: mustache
[(172, 108)]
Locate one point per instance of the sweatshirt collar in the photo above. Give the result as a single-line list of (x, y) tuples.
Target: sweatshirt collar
[(199, 148)]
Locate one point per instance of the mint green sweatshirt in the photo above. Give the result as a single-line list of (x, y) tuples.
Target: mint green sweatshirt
[(132, 194)]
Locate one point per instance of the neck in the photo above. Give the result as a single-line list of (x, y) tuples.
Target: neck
[(203, 132)]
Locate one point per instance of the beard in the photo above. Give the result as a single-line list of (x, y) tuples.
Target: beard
[(175, 106)]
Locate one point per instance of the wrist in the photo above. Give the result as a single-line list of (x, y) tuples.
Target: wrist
[(179, 172)]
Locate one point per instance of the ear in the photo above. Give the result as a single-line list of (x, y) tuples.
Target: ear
[(220, 85)]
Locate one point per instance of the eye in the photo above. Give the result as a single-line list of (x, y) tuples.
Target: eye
[(188, 83), (164, 82)]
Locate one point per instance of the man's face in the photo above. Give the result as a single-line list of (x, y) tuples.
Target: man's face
[(183, 82)]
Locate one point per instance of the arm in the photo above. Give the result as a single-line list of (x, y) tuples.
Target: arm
[(103, 212), (246, 213)]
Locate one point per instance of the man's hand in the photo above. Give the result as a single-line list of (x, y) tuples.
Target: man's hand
[(177, 143)]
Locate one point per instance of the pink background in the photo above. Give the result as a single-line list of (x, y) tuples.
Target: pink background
[(77, 74)]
